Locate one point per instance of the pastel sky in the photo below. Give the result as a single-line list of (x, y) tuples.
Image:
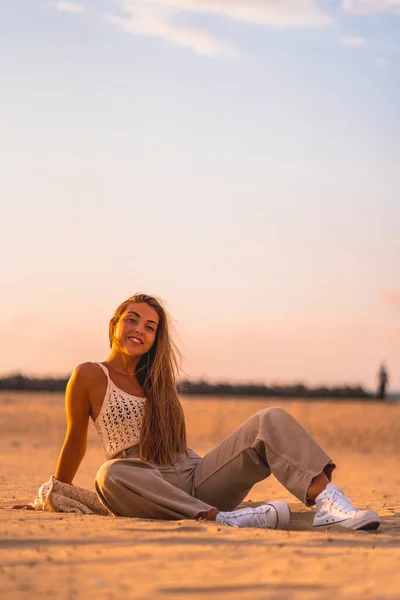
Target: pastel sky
[(238, 158)]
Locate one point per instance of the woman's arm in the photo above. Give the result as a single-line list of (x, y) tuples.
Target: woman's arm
[(78, 410)]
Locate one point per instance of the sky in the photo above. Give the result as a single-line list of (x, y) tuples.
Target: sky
[(237, 158)]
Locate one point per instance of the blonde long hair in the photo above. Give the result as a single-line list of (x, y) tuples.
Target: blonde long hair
[(163, 430)]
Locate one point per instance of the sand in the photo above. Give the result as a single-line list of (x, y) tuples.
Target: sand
[(68, 556)]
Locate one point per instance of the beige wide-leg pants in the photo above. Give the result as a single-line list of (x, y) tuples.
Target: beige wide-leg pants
[(271, 441)]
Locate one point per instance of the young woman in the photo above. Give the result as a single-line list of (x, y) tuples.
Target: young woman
[(151, 473)]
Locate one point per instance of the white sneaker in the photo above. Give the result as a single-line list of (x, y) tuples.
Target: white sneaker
[(334, 508), (274, 515)]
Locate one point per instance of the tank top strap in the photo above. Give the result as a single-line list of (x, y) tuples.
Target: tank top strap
[(105, 370)]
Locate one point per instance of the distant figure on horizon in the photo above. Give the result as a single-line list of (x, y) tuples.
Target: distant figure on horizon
[(382, 382)]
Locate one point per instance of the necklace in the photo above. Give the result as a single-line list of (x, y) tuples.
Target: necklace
[(119, 370)]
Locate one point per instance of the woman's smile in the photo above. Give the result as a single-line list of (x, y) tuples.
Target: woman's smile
[(135, 340)]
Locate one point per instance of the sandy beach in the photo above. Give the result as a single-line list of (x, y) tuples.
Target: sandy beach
[(68, 556)]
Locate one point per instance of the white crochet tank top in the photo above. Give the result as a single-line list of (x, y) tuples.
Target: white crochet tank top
[(119, 422)]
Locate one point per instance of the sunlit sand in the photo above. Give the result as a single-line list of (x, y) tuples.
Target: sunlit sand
[(68, 556)]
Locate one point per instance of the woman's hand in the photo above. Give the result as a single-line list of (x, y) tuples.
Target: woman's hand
[(23, 507)]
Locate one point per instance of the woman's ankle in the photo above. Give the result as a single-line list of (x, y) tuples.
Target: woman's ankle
[(209, 515), (317, 485)]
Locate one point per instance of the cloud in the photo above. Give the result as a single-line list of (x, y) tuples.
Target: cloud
[(354, 42), (274, 13), (199, 41), (391, 298), (69, 7), (365, 7), (165, 19)]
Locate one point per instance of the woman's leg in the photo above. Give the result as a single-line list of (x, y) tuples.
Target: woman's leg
[(130, 487), (274, 442), (271, 441)]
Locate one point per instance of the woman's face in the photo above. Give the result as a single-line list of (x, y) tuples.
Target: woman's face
[(136, 329)]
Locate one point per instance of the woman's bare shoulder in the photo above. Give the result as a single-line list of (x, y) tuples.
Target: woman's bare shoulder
[(88, 371)]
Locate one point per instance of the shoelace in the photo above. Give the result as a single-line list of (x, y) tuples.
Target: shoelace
[(337, 498), (237, 517)]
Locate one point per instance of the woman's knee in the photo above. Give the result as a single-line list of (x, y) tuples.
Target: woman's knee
[(274, 414)]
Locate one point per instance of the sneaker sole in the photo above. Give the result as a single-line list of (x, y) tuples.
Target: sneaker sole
[(369, 521), (282, 514)]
